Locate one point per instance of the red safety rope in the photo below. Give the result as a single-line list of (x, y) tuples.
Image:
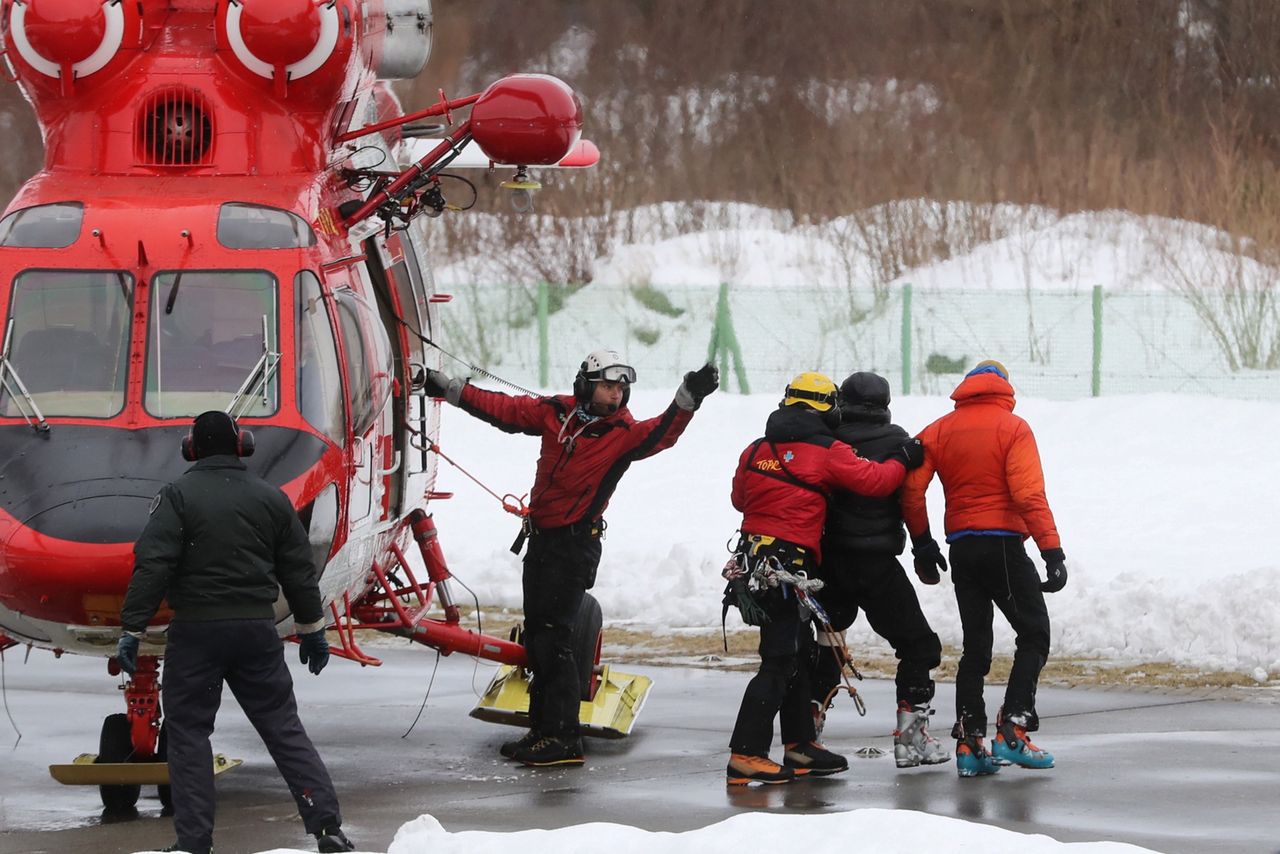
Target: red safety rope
[(510, 502)]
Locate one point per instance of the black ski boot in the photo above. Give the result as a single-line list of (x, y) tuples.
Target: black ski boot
[(332, 840)]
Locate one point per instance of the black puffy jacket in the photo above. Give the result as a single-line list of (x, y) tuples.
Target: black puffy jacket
[(856, 522), (221, 544)]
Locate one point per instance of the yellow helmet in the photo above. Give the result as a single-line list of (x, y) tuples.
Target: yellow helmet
[(811, 389)]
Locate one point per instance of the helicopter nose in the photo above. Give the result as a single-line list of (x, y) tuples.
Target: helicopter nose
[(117, 516)]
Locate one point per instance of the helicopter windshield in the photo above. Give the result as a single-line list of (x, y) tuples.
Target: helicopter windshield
[(205, 337), (70, 341)]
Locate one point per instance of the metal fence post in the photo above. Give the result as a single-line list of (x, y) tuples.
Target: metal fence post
[(906, 338), (724, 342), (544, 346), (1097, 340)]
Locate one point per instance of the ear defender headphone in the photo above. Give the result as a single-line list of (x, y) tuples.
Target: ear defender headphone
[(244, 440)]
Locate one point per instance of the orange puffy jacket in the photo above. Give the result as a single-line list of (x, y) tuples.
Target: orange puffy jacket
[(987, 461)]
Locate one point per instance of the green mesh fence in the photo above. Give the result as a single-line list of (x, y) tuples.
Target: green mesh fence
[(1059, 345)]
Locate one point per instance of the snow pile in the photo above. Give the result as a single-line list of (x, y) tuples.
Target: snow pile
[(882, 831), (1163, 503), (1007, 281)]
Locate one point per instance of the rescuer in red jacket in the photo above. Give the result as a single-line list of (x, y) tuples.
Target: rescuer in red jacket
[(782, 487), (987, 460), (589, 440)]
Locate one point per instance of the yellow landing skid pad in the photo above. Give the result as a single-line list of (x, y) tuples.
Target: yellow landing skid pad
[(84, 771), (612, 714), (521, 185)]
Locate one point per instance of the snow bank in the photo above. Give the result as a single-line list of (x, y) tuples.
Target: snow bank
[(1163, 503), (882, 831)]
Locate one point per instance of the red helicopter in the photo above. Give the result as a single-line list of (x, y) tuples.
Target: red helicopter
[(226, 219)]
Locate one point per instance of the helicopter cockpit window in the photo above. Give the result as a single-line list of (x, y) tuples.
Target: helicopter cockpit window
[(68, 342), (319, 376), (246, 226), (43, 226), (212, 341), (368, 356)]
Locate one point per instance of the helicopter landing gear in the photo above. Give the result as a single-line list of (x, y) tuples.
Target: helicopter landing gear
[(115, 744)]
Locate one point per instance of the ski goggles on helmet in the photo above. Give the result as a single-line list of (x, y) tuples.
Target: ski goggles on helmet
[(614, 374)]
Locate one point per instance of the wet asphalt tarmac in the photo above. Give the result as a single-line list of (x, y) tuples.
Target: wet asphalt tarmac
[(1175, 772)]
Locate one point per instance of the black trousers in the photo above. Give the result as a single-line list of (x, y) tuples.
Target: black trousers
[(249, 656), (559, 567), (780, 689), (996, 570), (876, 583)]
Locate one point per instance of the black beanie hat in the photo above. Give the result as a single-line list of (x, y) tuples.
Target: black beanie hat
[(214, 432), (865, 396)]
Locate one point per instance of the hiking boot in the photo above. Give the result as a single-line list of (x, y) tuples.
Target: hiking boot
[(332, 839), (912, 744), (972, 758), (1013, 746), (198, 849), (510, 748), (747, 768), (814, 758), (549, 750)]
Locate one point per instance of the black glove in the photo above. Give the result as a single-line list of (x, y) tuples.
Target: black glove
[(127, 653), (910, 453), (1055, 570), (702, 382), (313, 650), (928, 559), (436, 383)]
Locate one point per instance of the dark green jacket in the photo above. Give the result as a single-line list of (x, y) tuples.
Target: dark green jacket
[(220, 544)]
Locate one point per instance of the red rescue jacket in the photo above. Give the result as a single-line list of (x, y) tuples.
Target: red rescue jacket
[(580, 463), (783, 480)]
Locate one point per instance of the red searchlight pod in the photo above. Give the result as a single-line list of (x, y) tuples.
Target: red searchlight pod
[(67, 39), (282, 40), (527, 119)]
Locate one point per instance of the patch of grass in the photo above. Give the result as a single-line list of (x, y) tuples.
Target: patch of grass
[(647, 337), (640, 645), (655, 300), (940, 364)]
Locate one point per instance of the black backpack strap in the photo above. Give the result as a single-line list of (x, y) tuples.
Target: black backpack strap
[(785, 476)]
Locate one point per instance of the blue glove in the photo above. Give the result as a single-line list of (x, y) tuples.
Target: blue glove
[(127, 653), (313, 650)]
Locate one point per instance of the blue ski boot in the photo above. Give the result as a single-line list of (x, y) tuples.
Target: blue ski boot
[(972, 758), (1012, 744)]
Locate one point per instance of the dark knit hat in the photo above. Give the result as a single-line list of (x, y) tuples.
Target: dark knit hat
[(865, 396), (214, 432)]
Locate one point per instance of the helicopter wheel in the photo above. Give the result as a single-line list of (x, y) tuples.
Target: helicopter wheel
[(115, 744), (587, 639)]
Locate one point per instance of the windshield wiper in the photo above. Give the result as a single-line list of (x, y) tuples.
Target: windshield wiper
[(7, 372), (173, 293), (264, 367)]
